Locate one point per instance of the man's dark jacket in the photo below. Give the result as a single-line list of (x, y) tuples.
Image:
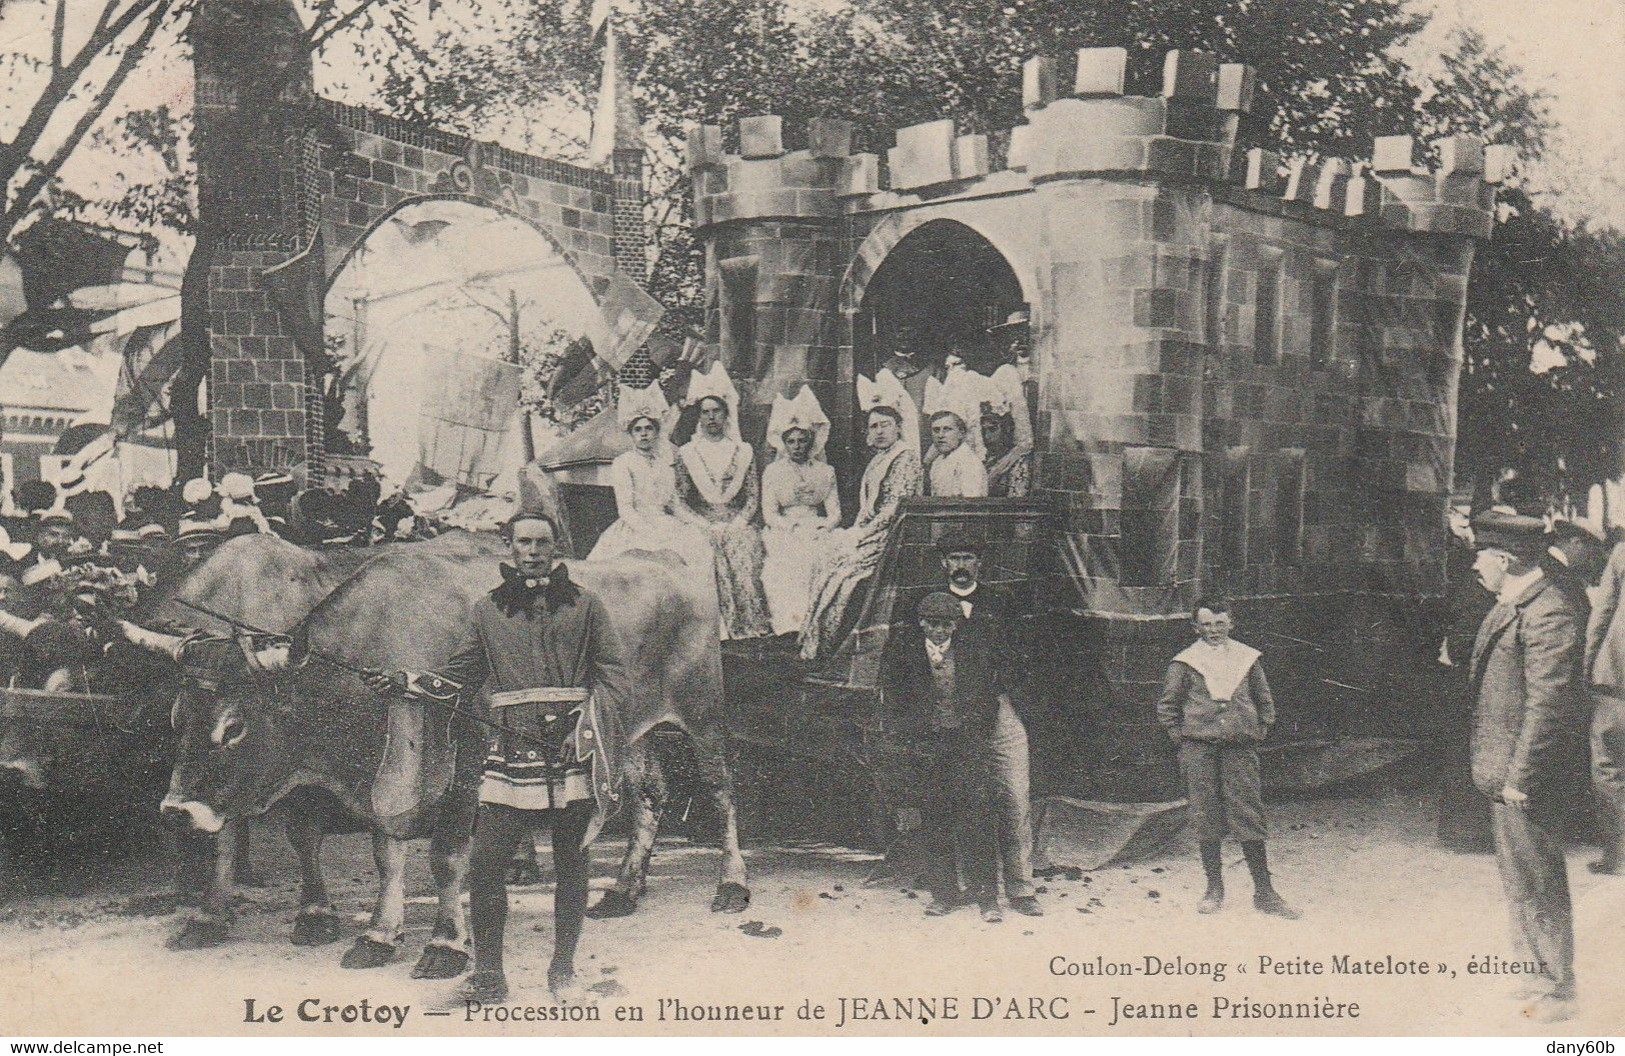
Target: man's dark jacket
[(1531, 714), (981, 670)]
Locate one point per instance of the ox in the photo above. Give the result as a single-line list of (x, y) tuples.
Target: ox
[(261, 580), (298, 726)]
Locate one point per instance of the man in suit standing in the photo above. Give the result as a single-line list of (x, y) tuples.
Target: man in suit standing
[(989, 608), (1528, 726), (946, 686)]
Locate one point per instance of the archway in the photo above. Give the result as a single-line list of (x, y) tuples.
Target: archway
[(437, 322), (939, 290), (943, 284)]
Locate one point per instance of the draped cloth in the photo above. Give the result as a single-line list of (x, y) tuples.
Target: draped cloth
[(646, 503), (854, 553), (717, 481)]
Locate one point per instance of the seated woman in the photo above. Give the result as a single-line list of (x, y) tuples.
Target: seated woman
[(648, 513), (1007, 437), (892, 475), (953, 409), (800, 507), (716, 480)]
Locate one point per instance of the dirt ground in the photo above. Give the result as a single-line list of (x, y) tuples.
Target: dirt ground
[(1365, 871)]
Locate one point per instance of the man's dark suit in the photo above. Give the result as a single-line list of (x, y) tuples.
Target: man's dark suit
[(1529, 728), (957, 779), (991, 610)]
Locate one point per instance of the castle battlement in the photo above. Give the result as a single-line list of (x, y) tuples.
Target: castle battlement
[(1186, 135)]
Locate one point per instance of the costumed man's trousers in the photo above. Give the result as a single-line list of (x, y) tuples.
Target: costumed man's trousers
[(1012, 770), (498, 830)]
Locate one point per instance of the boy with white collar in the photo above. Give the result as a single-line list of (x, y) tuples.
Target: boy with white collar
[(1216, 706)]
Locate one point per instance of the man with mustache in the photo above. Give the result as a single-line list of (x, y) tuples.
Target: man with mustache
[(988, 608)]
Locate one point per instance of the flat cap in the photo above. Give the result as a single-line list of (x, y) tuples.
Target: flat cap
[(939, 606)]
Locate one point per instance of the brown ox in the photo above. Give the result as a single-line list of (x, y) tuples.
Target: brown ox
[(267, 731)]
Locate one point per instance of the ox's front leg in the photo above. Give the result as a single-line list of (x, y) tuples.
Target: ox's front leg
[(711, 761), (212, 924), (647, 779), (318, 922), (376, 946), (446, 955)]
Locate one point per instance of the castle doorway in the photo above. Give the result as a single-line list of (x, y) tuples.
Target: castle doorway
[(939, 291)]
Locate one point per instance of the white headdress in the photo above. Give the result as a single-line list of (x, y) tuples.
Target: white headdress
[(15, 551), (961, 394), (1003, 394), (801, 412), (715, 383), (648, 402), (887, 391)]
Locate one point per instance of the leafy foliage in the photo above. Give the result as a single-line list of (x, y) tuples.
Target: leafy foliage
[(1329, 77)]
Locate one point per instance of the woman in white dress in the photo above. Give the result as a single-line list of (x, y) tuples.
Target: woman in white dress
[(800, 507), (893, 474), (716, 481), (648, 513)]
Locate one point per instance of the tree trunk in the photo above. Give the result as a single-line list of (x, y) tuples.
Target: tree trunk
[(192, 429)]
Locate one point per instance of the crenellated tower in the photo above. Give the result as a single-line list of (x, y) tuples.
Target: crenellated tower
[(1246, 370)]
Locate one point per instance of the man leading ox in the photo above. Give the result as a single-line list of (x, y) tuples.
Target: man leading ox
[(544, 650)]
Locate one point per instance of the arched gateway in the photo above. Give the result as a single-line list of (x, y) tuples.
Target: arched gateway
[(291, 185)]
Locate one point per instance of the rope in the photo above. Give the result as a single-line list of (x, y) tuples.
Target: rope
[(363, 674)]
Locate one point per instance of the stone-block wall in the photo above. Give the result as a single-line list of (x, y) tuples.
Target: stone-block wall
[(775, 252), (258, 385), (255, 214), (372, 163)]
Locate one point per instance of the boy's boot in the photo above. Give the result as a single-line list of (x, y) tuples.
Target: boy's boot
[(1265, 899), (1213, 866)]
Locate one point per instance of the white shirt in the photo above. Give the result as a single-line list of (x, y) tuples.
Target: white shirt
[(959, 475), (937, 652), (965, 604), (1512, 587)]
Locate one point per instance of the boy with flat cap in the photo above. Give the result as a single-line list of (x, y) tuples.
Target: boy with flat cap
[(1216, 706), (947, 685)]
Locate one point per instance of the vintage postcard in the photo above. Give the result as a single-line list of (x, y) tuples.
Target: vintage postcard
[(811, 517)]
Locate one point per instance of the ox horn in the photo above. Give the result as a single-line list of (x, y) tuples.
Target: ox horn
[(153, 641), (274, 657), (16, 626)]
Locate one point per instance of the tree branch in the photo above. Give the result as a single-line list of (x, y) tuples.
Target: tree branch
[(23, 203), (59, 32), (59, 89), (318, 36)]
